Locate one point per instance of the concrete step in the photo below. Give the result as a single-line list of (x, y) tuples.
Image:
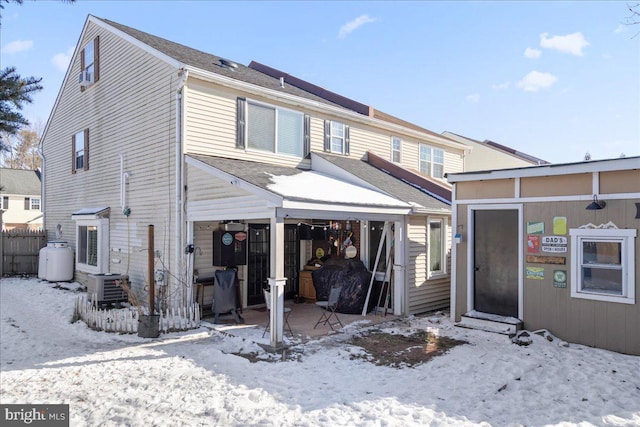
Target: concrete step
[(490, 323)]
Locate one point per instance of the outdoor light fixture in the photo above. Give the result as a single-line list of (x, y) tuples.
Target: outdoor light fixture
[(596, 204)]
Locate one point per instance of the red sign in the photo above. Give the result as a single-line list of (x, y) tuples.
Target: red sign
[(533, 244), (241, 236)]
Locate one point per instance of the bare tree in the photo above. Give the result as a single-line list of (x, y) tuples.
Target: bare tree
[(22, 148), (634, 15)]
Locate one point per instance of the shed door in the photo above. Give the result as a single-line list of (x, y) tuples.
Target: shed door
[(496, 262)]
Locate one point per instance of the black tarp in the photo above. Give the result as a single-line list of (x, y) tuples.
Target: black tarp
[(352, 275)]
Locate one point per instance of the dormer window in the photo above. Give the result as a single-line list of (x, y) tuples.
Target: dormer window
[(89, 64)]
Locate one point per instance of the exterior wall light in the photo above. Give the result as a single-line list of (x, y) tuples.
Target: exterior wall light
[(596, 204)]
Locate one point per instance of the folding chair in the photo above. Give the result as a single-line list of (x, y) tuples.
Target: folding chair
[(287, 313), (329, 309)]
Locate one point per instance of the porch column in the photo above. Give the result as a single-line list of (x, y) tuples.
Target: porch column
[(277, 282), (399, 268)]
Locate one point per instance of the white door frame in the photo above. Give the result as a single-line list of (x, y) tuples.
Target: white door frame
[(471, 253)]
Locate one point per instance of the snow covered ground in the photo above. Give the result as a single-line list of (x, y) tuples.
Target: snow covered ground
[(194, 379)]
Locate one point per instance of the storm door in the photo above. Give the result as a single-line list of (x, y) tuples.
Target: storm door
[(258, 263), (496, 262)]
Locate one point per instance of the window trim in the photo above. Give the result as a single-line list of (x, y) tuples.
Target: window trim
[(395, 139), (342, 138), (623, 236), (443, 251), (431, 162), (346, 141), (95, 61), (102, 264), (32, 204), (85, 160)]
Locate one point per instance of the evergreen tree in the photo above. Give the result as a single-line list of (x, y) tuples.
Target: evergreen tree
[(15, 91)]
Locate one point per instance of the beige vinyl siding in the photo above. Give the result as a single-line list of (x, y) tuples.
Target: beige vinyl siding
[(129, 111), (423, 295), (204, 186), (486, 158), (453, 162), (210, 125), (210, 129)]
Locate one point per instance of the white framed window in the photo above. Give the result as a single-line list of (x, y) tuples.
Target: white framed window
[(274, 129), (35, 203), (80, 151), (92, 245), (431, 161), (89, 62), (437, 238), (603, 264), (337, 137), (396, 147)]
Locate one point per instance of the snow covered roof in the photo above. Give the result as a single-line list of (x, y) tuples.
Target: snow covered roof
[(90, 213), (420, 199), (297, 185)]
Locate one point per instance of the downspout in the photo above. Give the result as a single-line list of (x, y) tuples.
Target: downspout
[(179, 180), (42, 187)]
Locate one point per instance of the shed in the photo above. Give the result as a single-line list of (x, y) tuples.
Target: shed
[(551, 247)]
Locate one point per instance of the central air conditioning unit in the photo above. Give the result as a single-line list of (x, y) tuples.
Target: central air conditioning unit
[(85, 78), (106, 288)]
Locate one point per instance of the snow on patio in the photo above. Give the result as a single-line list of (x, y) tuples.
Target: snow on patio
[(195, 378)]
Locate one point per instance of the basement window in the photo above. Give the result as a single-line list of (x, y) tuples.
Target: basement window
[(603, 265)]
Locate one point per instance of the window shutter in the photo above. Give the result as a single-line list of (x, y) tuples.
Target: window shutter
[(86, 149), (327, 135), (96, 59), (27, 204), (306, 150), (82, 88), (241, 124), (346, 139), (82, 60), (73, 153)]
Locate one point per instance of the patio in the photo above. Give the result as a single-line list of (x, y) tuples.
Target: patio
[(302, 320)]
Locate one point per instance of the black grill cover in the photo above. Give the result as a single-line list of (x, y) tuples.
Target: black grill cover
[(352, 275), (225, 294)]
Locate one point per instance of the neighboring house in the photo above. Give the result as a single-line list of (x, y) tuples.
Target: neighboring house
[(551, 247), (20, 199), (163, 134), (488, 155)]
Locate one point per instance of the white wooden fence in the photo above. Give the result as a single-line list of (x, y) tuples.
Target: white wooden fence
[(125, 320)]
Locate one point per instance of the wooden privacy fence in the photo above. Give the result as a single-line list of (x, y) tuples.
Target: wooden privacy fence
[(125, 320), (19, 251)]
